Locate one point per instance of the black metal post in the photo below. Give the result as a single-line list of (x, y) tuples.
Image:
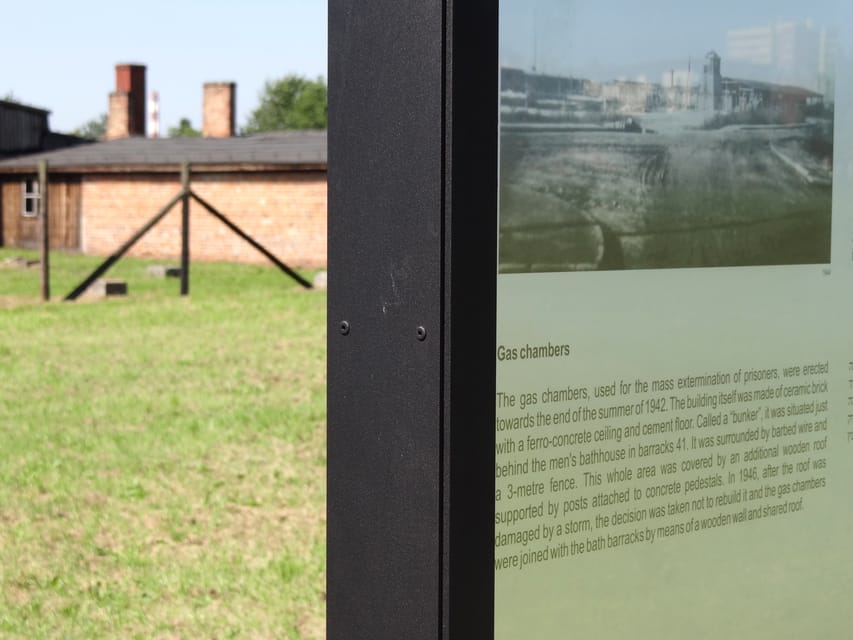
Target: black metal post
[(185, 229), (411, 319)]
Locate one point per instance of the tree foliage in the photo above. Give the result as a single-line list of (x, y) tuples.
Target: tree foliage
[(292, 102), (94, 128), (184, 130)]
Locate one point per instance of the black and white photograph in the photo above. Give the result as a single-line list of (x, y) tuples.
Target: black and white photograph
[(657, 135)]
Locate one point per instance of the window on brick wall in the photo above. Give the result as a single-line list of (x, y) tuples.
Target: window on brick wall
[(30, 197)]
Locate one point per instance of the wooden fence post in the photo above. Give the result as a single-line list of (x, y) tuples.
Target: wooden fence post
[(43, 211), (185, 229)]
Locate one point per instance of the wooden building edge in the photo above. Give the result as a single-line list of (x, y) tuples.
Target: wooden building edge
[(272, 185)]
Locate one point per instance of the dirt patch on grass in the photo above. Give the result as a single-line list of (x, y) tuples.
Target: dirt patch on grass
[(12, 302), (17, 595)]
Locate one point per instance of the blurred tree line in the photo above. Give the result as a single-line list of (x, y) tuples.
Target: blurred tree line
[(292, 102)]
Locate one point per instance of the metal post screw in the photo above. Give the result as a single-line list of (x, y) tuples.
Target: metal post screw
[(344, 328)]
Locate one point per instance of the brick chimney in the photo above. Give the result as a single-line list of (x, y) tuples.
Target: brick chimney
[(126, 115), (219, 110)]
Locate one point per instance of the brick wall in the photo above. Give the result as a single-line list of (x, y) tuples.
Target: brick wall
[(285, 212)]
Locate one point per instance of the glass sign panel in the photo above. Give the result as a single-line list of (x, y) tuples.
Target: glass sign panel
[(674, 431)]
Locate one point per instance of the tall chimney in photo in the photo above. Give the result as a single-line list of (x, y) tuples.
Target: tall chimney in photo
[(219, 112), (126, 115)]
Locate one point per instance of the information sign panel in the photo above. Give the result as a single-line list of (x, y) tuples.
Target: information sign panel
[(674, 396)]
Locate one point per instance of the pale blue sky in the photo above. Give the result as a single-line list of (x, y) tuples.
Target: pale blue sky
[(63, 60), (60, 54)]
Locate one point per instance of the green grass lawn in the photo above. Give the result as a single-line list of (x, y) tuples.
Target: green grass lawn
[(162, 460)]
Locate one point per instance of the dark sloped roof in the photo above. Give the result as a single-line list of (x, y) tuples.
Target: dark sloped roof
[(280, 150), (17, 106), (774, 88)]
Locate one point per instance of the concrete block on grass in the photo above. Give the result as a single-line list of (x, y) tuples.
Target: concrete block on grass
[(320, 281), (17, 262), (162, 271), (107, 288)]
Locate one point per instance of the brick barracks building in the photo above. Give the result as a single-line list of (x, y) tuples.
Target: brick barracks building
[(271, 185)]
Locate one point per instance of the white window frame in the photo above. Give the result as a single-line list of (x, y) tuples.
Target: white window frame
[(30, 198)]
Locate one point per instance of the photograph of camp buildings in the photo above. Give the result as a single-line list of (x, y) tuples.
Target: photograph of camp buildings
[(694, 169)]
